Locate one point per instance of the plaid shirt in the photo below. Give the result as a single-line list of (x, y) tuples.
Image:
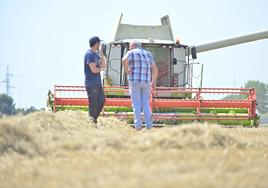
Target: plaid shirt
[(139, 62)]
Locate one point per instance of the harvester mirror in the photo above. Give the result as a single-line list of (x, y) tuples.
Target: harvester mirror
[(103, 49), (193, 52), (174, 61)]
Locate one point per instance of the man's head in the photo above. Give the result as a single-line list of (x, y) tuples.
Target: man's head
[(134, 44), (94, 42)]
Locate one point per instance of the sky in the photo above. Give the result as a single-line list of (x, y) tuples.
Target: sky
[(43, 41)]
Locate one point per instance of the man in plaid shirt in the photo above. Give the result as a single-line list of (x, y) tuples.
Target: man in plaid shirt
[(142, 74)]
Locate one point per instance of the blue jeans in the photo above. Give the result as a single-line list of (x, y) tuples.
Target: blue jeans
[(140, 98)]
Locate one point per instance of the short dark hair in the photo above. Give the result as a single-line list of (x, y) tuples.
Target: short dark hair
[(94, 40)]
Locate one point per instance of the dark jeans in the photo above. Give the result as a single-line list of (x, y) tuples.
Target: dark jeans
[(96, 99)]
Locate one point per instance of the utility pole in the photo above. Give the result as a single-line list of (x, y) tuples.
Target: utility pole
[(7, 81)]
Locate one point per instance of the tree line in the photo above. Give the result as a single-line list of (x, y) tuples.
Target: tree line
[(8, 107)]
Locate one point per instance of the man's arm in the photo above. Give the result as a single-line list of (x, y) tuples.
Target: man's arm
[(125, 64), (90, 61), (103, 62), (154, 74), (93, 67)]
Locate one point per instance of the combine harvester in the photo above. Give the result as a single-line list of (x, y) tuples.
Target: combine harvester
[(174, 100)]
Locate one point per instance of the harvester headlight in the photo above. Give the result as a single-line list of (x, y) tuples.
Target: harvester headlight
[(151, 40)]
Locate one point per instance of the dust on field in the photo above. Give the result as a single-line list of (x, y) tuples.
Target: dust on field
[(64, 150)]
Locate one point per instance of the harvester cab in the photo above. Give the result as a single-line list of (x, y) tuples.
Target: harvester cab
[(172, 58)]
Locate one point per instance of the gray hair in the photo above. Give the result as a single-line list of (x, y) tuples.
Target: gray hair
[(136, 43)]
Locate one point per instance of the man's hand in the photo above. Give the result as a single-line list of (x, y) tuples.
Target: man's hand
[(129, 71), (102, 63), (102, 50), (153, 84)]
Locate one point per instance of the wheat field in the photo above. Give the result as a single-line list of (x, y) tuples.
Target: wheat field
[(53, 150)]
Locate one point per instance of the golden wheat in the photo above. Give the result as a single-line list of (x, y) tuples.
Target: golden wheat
[(63, 149)]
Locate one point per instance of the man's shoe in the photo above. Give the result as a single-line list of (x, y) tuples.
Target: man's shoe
[(149, 127), (138, 128), (93, 120)]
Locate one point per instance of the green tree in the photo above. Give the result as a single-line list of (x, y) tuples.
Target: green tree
[(25, 111), (262, 94), (7, 105), (235, 97)]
